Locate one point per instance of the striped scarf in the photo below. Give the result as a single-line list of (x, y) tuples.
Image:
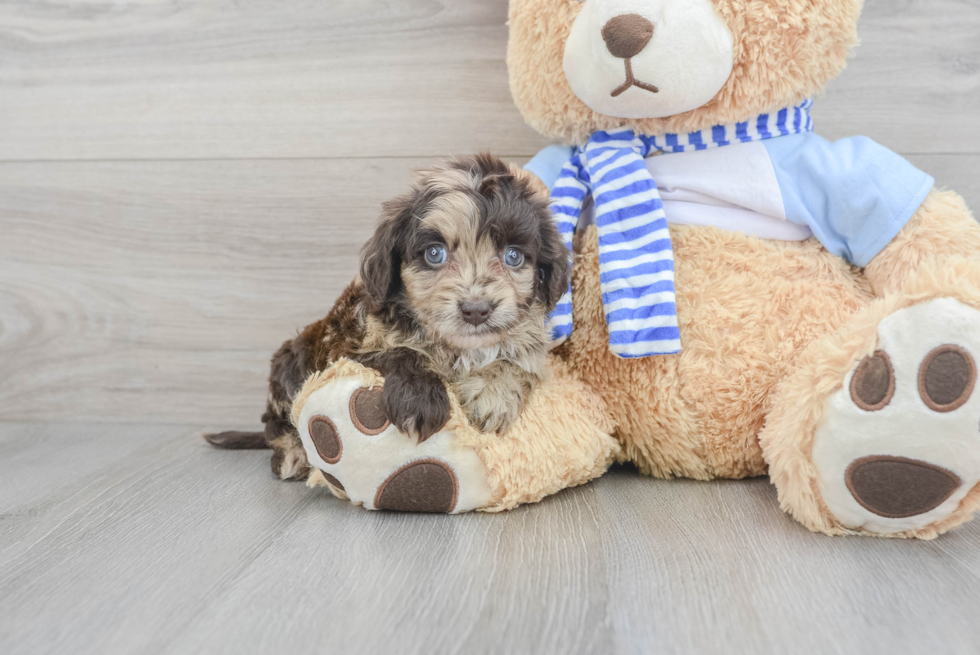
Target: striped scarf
[(636, 259)]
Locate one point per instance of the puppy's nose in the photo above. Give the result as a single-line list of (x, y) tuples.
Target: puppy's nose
[(475, 313), (627, 34)]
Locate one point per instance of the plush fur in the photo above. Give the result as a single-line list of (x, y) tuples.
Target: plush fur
[(522, 467), (770, 329), (785, 51), (800, 402), (756, 317), (942, 227), (746, 308)]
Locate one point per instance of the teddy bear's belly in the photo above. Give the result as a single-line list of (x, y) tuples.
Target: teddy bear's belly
[(746, 309)]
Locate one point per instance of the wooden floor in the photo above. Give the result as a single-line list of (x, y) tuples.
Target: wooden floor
[(183, 184)]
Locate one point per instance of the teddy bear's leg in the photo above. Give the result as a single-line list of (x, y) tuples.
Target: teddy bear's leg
[(878, 430), (559, 441), (356, 452), (942, 227)]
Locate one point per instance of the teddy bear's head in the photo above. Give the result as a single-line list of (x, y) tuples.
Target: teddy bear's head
[(657, 66)]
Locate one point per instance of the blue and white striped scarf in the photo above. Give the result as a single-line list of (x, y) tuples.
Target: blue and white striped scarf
[(636, 259)]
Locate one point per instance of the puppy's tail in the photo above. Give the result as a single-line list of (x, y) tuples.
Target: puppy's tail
[(235, 440)]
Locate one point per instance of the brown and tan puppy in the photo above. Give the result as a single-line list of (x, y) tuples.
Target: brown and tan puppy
[(454, 287)]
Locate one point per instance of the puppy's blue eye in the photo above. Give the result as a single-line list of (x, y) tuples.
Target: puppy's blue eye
[(435, 255), (513, 257)]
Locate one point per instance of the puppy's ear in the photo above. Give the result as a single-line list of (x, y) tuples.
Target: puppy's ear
[(554, 263), (381, 257)]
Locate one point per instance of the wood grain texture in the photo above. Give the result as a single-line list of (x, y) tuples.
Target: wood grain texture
[(914, 81), (220, 79), (156, 291), (131, 539), (120, 275), (184, 184), (302, 78)]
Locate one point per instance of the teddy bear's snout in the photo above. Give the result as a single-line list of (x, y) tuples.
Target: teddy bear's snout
[(627, 34)]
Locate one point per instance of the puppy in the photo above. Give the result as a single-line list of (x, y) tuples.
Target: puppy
[(453, 288)]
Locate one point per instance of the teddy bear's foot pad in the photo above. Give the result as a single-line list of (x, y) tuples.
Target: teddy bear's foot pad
[(359, 455), (428, 485), (900, 444), (898, 487)]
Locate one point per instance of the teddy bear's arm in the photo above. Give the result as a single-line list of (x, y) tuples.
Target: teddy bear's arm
[(941, 227), (854, 194), (562, 439)]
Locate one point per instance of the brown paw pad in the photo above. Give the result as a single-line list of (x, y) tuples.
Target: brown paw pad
[(427, 485), (326, 439), (367, 411), (873, 383), (898, 487), (946, 378)]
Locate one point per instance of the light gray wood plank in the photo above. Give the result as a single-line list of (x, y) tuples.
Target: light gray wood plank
[(39, 457), (220, 79), (138, 298), (117, 276), (722, 557), (51, 469), (126, 559), (188, 549), (523, 582), (914, 81), (132, 288), (961, 173), (156, 291), (118, 559)]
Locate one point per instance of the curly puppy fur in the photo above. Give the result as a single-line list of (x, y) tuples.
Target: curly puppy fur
[(410, 315)]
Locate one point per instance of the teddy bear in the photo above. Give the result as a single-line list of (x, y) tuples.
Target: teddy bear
[(747, 298)]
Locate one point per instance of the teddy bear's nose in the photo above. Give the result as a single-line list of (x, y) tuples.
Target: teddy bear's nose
[(627, 34)]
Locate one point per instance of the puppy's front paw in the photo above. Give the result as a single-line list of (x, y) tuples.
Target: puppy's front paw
[(493, 405), (358, 454), (418, 406), (487, 419)]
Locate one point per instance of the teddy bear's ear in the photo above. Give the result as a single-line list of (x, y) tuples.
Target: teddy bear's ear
[(531, 180), (536, 46)]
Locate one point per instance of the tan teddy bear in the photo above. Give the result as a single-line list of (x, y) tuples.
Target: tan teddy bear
[(747, 297)]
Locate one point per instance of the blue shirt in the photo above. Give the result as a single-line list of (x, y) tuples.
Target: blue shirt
[(853, 194)]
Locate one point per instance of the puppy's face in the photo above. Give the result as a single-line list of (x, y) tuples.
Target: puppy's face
[(472, 253), (471, 265)]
